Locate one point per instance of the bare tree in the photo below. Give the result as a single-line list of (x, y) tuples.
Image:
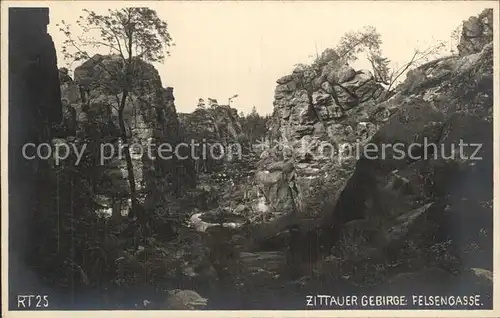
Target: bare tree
[(368, 41), (418, 58), (455, 39)]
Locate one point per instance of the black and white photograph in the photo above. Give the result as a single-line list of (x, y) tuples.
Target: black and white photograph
[(277, 157)]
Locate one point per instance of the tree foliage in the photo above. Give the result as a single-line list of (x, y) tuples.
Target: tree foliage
[(128, 32), (354, 43), (455, 39), (254, 125)]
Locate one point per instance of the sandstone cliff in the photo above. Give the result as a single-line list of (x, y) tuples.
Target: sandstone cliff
[(150, 116), (318, 109)]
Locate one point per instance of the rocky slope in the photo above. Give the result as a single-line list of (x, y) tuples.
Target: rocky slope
[(389, 214)]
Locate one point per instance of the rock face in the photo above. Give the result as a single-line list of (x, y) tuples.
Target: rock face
[(220, 153), (319, 111), (211, 128), (34, 106), (91, 112), (455, 84), (476, 32), (219, 123)]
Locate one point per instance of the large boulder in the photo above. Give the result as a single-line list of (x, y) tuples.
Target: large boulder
[(337, 74), (185, 300)]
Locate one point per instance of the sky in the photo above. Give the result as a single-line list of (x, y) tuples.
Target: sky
[(233, 47)]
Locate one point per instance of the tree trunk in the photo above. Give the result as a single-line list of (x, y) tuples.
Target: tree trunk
[(128, 157), (116, 209)]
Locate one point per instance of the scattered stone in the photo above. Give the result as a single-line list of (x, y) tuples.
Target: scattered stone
[(185, 300)]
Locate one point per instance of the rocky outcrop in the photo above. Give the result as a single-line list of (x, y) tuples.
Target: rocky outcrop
[(319, 112), (215, 124), (395, 208), (34, 107), (398, 192), (476, 33), (91, 113)]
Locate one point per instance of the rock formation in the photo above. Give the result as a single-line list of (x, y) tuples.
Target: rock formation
[(318, 110), (220, 123), (70, 197), (218, 126), (414, 209), (476, 32), (91, 112)]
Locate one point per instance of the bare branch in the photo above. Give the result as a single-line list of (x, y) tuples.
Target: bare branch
[(73, 43), (379, 77), (417, 56), (98, 43), (402, 70)]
